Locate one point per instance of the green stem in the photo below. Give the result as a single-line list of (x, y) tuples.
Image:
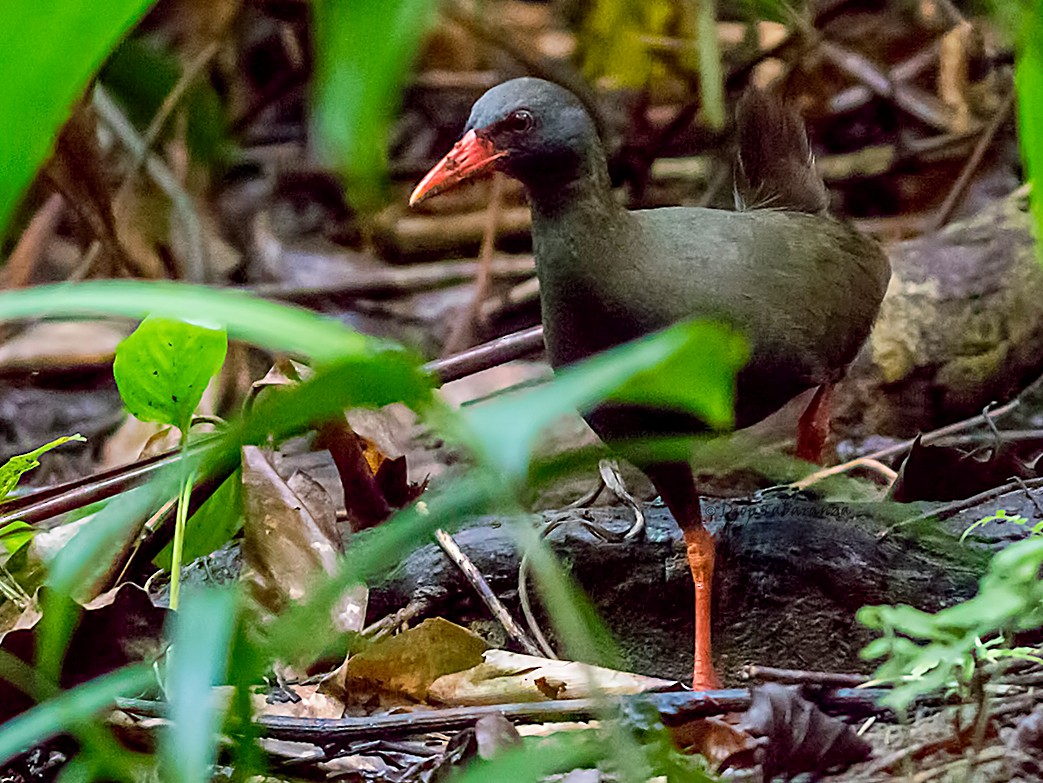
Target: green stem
[(180, 520)]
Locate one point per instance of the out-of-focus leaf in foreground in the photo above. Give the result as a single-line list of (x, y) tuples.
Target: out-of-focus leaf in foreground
[(690, 367), (363, 52), (51, 51)]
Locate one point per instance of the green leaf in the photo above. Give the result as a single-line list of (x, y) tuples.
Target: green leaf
[(163, 368), (51, 51), (690, 367), (15, 535), (363, 52), (12, 470), (198, 662), (70, 708), (535, 759), (277, 327)]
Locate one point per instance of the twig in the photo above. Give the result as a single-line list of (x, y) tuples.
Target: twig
[(923, 106), (397, 281), (162, 115), (926, 439), (392, 622), (986, 756), (916, 751), (952, 200), (196, 255), (674, 708), (489, 598), (802, 677), (952, 509)]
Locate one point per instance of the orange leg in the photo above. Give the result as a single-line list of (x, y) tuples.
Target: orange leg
[(700, 548), (813, 428), (677, 488)]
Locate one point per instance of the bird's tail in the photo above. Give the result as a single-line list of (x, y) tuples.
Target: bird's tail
[(775, 167)]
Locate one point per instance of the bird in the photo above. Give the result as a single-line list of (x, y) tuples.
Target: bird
[(802, 287)]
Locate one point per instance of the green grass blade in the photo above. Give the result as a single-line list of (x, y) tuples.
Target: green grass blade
[(65, 711)]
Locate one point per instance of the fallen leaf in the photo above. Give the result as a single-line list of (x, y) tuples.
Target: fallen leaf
[(505, 676), (799, 736), (289, 541), (410, 662)]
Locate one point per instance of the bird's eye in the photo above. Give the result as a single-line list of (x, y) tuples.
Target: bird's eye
[(519, 121)]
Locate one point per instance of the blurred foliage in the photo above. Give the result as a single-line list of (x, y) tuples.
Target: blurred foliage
[(925, 652), (353, 370), (363, 53), (51, 51), (141, 76)]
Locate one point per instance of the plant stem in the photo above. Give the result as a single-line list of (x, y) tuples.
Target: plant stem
[(181, 518)]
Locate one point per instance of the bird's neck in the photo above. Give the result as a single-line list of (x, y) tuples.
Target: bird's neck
[(563, 193)]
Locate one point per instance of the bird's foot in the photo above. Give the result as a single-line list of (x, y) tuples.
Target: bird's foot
[(705, 678)]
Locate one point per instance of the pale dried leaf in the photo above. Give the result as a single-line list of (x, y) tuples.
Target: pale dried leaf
[(512, 677)]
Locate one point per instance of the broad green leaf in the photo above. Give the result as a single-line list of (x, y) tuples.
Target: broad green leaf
[(13, 470), (277, 327), (198, 662), (51, 51), (164, 366), (363, 52), (690, 367), (15, 535), (71, 708)]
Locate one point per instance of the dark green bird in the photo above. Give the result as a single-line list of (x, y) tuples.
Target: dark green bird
[(802, 287)]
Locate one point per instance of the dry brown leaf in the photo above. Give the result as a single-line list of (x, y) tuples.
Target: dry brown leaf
[(288, 541), (504, 677), (410, 662), (799, 736)]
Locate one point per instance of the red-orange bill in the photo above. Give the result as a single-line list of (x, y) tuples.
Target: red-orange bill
[(470, 156)]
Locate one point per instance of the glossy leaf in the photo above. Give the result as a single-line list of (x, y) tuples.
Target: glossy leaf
[(164, 366), (51, 51)]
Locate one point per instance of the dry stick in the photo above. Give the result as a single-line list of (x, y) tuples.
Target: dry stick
[(675, 708), (952, 200), (489, 598), (802, 677), (389, 623), (952, 509), (926, 439), (47, 503), (922, 105), (396, 281), (858, 96), (460, 334), (986, 756)]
